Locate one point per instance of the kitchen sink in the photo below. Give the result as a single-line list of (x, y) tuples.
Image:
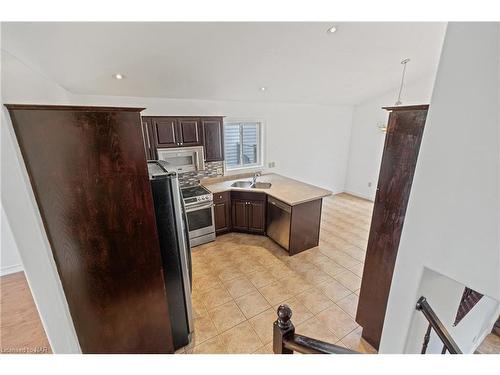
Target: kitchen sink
[(261, 185), (242, 184), (249, 184)]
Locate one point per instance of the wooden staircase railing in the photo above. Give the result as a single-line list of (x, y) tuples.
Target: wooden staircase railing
[(286, 341), (434, 323)]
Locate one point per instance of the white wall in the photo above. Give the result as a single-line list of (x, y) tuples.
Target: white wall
[(444, 295), (307, 142), (22, 85), (452, 222), (367, 141)]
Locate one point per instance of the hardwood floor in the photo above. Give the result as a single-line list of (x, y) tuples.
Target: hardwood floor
[(20, 325), (490, 345)]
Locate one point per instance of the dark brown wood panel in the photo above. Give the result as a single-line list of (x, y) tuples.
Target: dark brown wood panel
[(305, 226), (222, 197), (248, 195), (213, 138), (239, 214), (88, 172), (256, 216), (165, 131), (244, 217), (402, 143), (189, 132), (222, 214)]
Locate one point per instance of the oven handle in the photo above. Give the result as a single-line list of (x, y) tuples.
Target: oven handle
[(199, 207)]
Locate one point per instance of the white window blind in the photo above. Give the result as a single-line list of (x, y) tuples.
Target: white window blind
[(242, 144)]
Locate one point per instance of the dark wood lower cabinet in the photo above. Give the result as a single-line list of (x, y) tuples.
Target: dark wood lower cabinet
[(402, 144), (87, 168), (222, 212), (249, 215), (257, 216), (248, 212), (240, 214), (295, 228)]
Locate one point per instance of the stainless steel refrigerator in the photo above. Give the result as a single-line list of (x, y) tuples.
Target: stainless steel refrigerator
[(175, 249)]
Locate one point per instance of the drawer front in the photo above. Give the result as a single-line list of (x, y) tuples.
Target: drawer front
[(222, 197), (247, 195)]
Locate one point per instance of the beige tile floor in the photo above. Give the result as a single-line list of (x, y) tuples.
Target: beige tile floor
[(239, 281)]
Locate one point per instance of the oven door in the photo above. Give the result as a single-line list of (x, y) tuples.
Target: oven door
[(200, 219)]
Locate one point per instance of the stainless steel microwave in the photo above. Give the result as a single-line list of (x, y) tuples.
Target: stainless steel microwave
[(183, 159)]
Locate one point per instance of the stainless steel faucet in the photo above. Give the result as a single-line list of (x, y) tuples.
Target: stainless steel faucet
[(255, 175)]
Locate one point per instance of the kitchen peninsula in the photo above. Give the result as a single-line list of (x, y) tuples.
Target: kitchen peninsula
[(286, 210)]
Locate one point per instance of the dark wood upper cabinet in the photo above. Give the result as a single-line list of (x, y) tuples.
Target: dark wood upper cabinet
[(165, 131), (87, 167), (213, 138), (176, 132), (189, 132), (169, 131), (402, 143)]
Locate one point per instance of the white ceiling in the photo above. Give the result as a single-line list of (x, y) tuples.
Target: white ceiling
[(297, 62)]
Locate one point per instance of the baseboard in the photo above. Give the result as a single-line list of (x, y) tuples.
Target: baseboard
[(359, 195), (11, 269)]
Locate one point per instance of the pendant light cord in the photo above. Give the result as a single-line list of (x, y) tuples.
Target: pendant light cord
[(404, 62)]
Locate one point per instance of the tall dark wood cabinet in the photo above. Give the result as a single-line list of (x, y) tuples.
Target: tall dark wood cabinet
[(213, 138), (402, 143), (87, 168)]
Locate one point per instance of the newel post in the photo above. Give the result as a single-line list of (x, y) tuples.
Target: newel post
[(282, 329)]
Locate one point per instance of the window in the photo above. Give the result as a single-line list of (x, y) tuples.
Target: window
[(242, 143)]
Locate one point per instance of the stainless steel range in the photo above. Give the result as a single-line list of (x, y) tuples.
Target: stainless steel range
[(198, 202)]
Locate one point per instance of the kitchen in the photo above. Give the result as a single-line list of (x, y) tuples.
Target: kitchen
[(271, 211)]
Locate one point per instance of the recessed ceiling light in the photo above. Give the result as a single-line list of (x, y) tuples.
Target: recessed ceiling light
[(263, 88), (118, 76), (331, 30)]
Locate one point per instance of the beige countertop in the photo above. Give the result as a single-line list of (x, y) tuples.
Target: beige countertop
[(285, 189)]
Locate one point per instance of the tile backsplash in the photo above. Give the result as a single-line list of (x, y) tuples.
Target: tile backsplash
[(193, 178)]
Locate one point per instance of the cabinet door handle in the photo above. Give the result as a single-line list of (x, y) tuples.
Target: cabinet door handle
[(147, 136)]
